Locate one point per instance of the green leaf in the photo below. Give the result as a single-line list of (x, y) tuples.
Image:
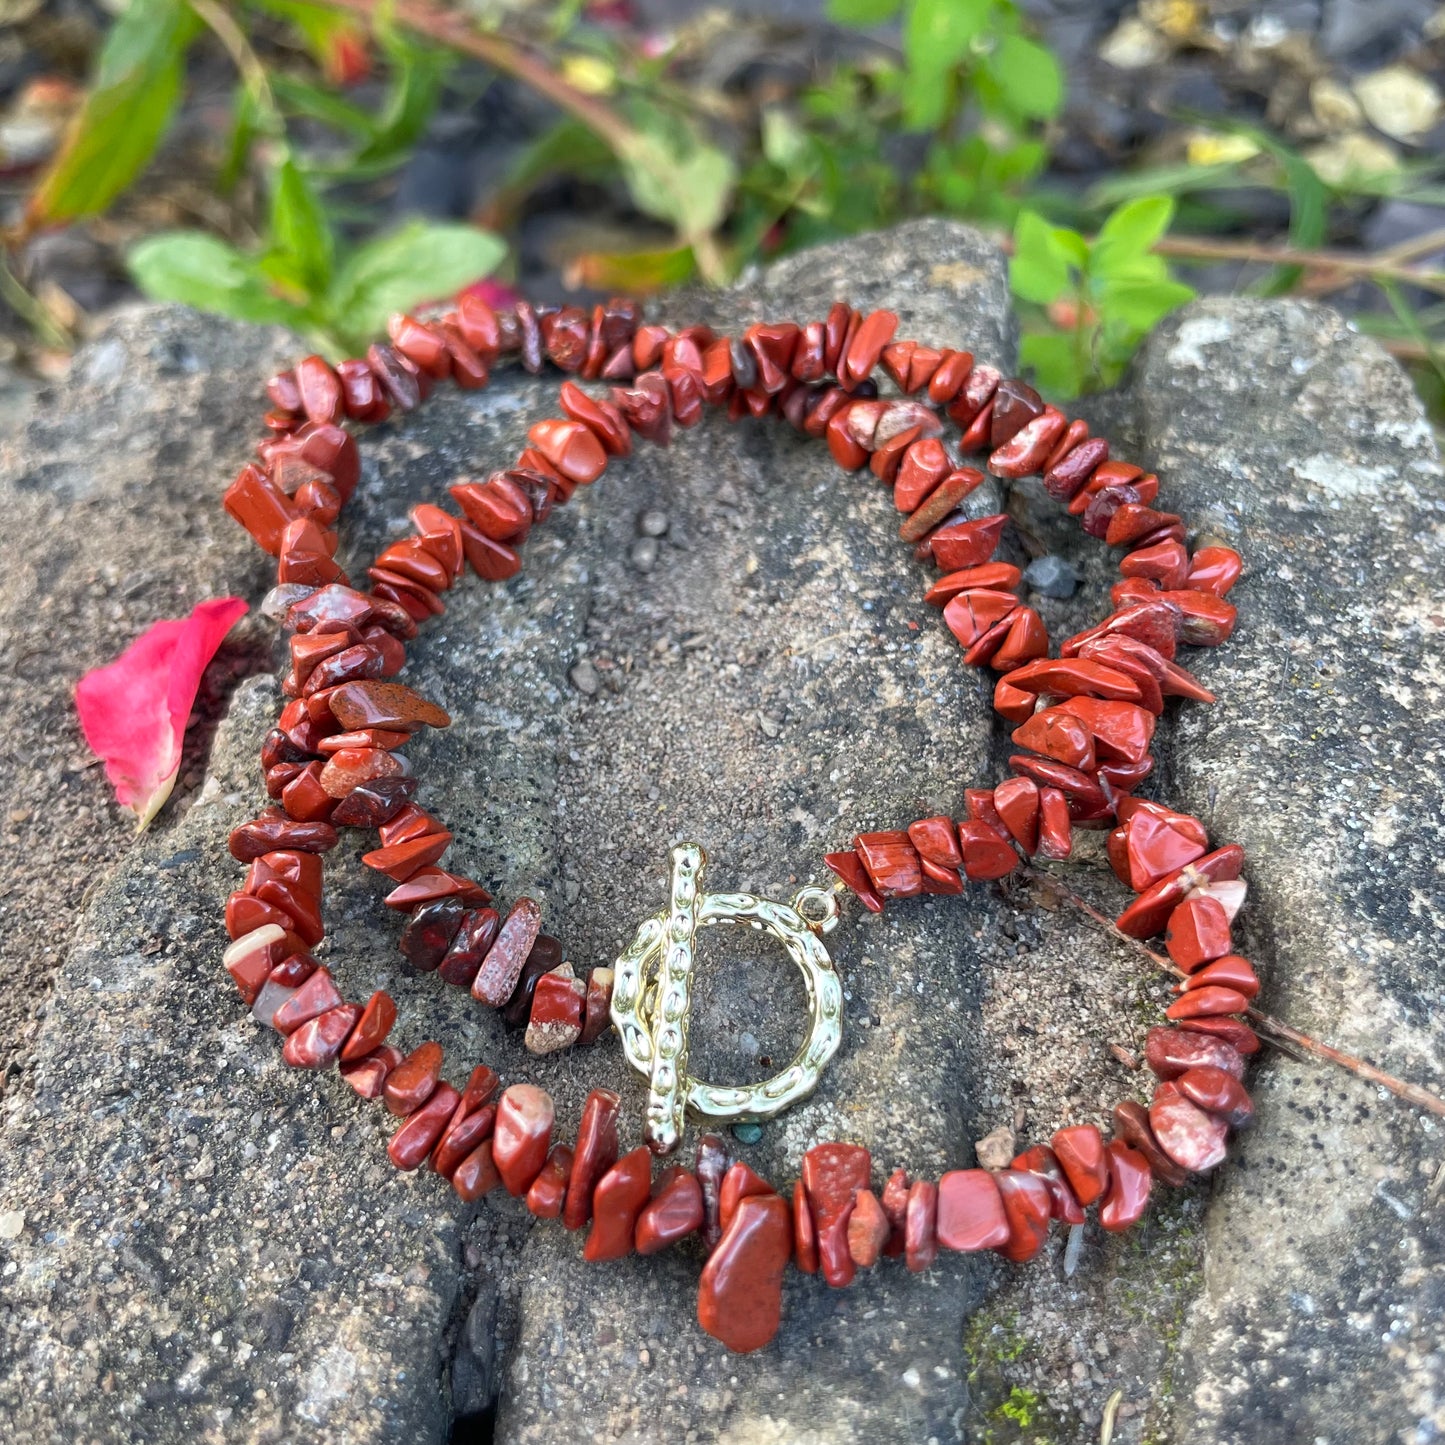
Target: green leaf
[(1028, 77), (202, 271), (137, 85), (1131, 231), (690, 189), (1039, 268), (417, 263), (1053, 359), (937, 36), (317, 103), (862, 12), (1141, 305), (300, 231)]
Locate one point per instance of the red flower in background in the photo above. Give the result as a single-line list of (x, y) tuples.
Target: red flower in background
[(134, 710)]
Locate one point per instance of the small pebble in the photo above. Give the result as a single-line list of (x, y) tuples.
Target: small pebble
[(770, 725), (652, 523), (644, 554), (13, 1220), (747, 1133), (584, 677), (1051, 577)]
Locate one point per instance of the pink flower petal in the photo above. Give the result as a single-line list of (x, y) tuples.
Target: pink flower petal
[(134, 710), (497, 294)]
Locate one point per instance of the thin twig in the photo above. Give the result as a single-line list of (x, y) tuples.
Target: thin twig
[(1273, 1029), (457, 32), (1343, 263)]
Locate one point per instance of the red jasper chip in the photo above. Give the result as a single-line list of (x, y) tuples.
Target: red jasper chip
[(431, 883), (1213, 569), (1191, 1137), (1130, 1180), (971, 1213), (925, 464), (936, 841), (1059, 735), (868, 1229), (971, 614), (1016, 404), (1131, 1124), (1086, 797), (805, 1237), (492, 561), (388, 705), (371, 1028), (273, 830), (1148, 914), (617, 1201), (738, 1183), (549, 1188), (894, 1200), (597, 1006), (1171, 1052), (474, 937), (429, 933), (1056, 834), (1206, 1003), (740, 1295), (251, 959), (1219, 1093), (966, 544), (985, 854), (522, 1135), (571, 447), (368, 1075), (1073, 677), (1017, 801), (317, 1043), (555, 1019), (477, 1174), (1121, 730), (673, 1213), (832, 1176), (1067, 476), (1197, 931), (875, 332), (941, 502), (1155, 846), (992, 576), (1231, 971), (318, 994), (849, 867), (414, 1080), (920, 1226), (1041, 1160), (498, 974), (891, 862), (1080, 1152), (422, 1128), (467, 1129), (1028, 1206), (1030, 447), (1237, 1035), (594, 1154)]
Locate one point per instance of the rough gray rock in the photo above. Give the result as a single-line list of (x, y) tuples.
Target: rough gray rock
[(214, 1247)]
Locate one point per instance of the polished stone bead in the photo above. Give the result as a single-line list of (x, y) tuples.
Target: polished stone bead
[(740, 1295), (389, 705), (597, 1008), (1213, 569), (941, 502), (499, 508), (1063, 1202), (593, 1155), (1015, 405), (601, 417), (422, 1128), (1131, 1124), (1192, 1138), (711, 1166), (973, 613), (571, 447), (246, 914), (260, 507), (866, 346), (477, 1174), (1056, 838), (467, 1129), (252, 957), (832, 1176), (1080, 1152), (273, 830), (924, 465), (501, 968), (414, 1080), (1059, 735), (474, 936), (1154, 846), (936, 841), (1027, 451), (1129, 1182), (549, 1188), (1218, 1092), (1067, 476), (1231, 971), (970, 1211), (372, 1028), (429, 933), (351, 767), (420, 344), (805, 1238), (1028, 1207), (1149, 913), (1170, 1052), (948, 379), (318, 994), (1017, 801), (891, 863), (304, 799), (967, 543), (555, 1020), (985, 854), (868, 1229), (674, 1212), (738, 1183), (546, 955), (1197, 932), (920, 1226), (993, 576), (1121, 730), (492, 561), (1206, 1003), (522, 1135), (1236, 1034), (318, 1043), (849, 867), (894, 1200), (617, 1201), (367, 1075), (431, 883), (404, 860)]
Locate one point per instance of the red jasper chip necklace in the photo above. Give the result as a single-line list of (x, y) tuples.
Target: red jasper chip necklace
[(1083, 723)]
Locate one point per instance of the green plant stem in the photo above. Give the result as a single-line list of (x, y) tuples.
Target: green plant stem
[(223, 25), (32, 311), (1343, 263), (1274, 1030), (456, 32)]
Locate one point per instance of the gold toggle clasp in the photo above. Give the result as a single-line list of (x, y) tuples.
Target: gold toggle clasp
[(652, 995)]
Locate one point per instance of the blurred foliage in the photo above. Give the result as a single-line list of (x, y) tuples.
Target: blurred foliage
[(927, 107)]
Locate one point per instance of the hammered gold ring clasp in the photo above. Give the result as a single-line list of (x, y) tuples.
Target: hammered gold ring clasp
[(651, 999)]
